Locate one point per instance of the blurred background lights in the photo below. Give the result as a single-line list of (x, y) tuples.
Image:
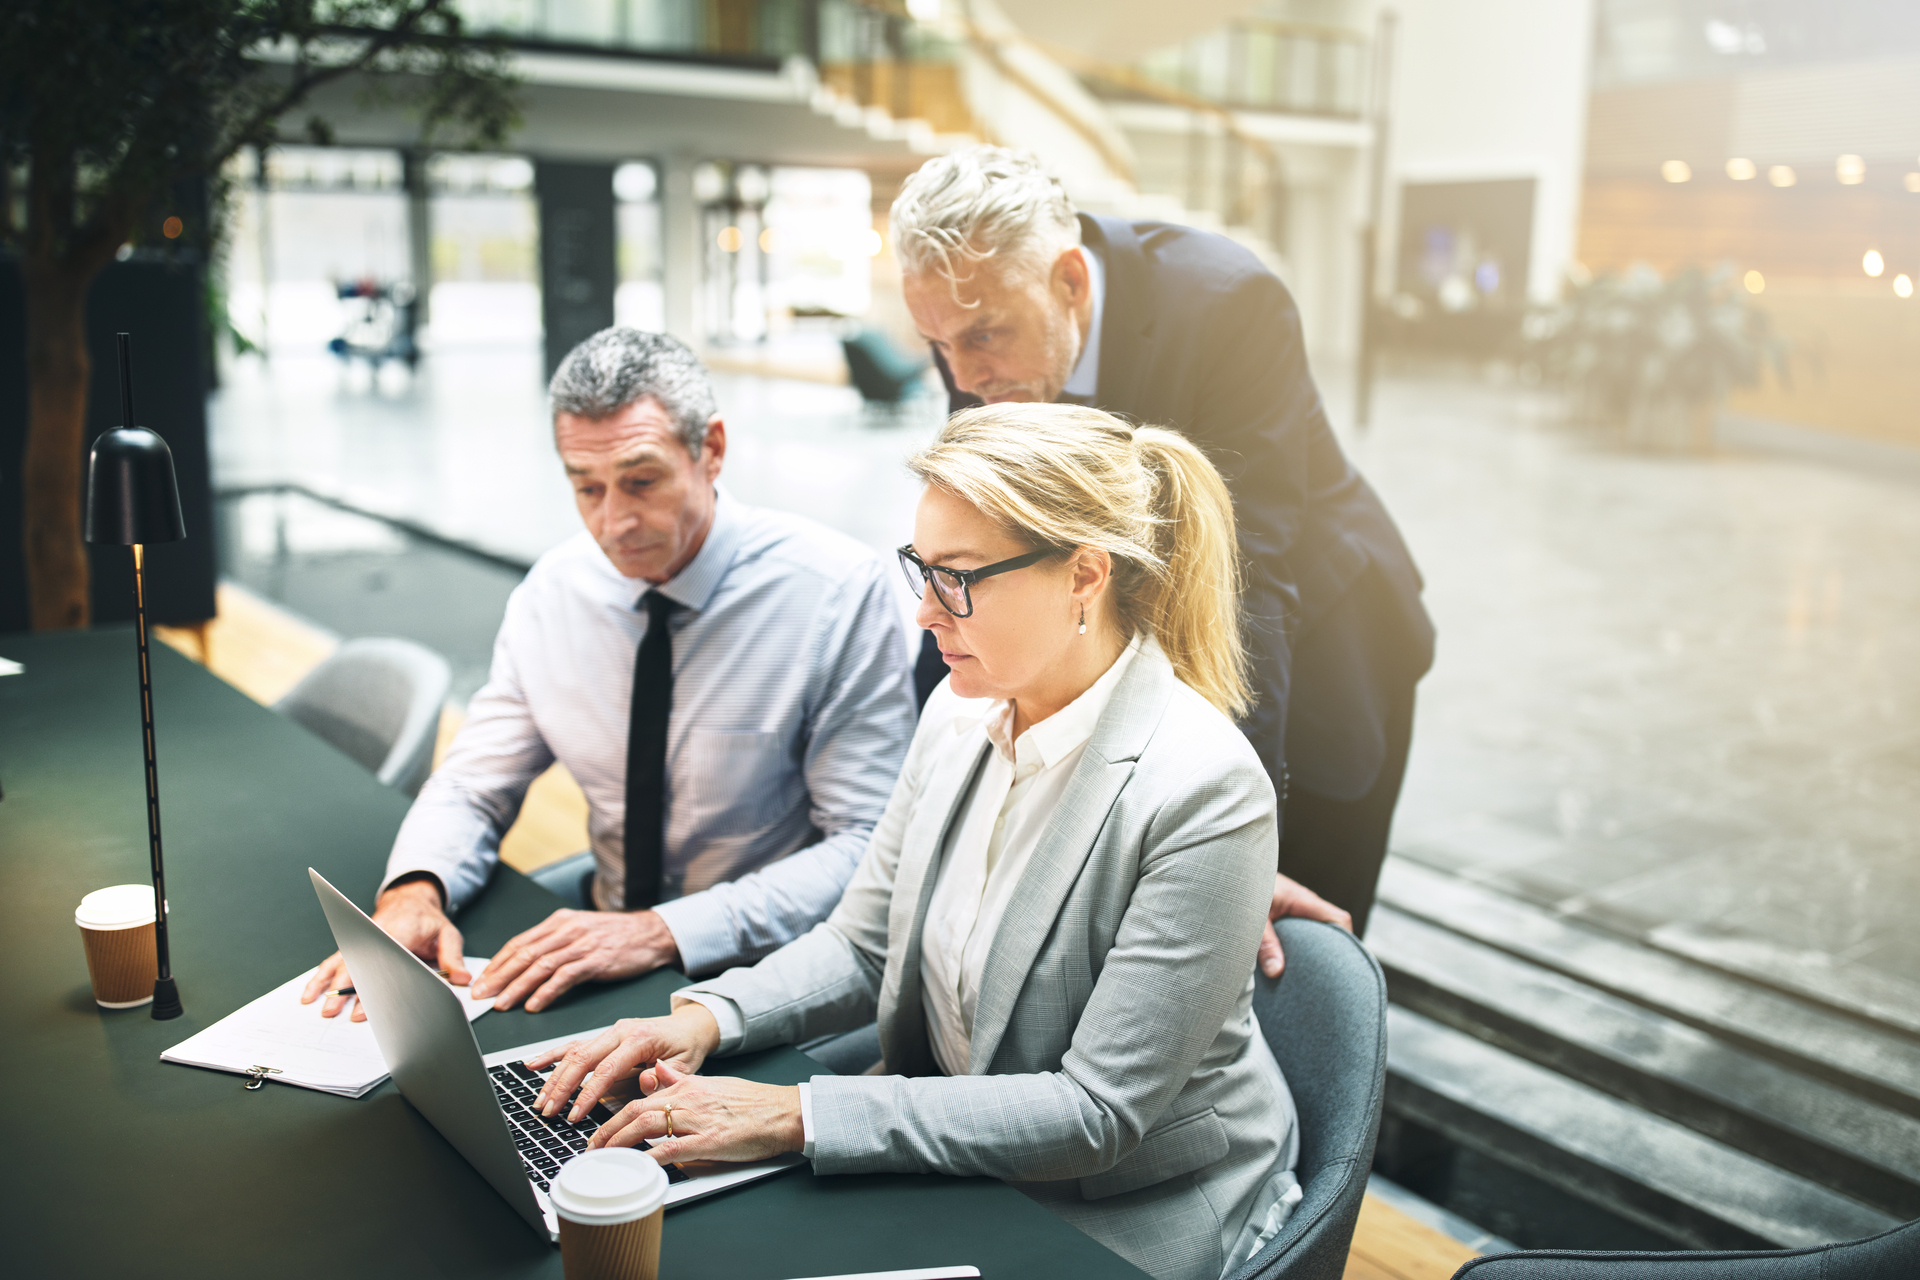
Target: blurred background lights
[(767, 240), (872, 243), (1755, 282), (1781, 176), (1903, 285), (172, 228), (709, 184), (1873, 264), (1913, 183), (635, 183), (1740, 169), (1676, 171), (751, 184), (729, 239), (1851, 170), (924, 10)]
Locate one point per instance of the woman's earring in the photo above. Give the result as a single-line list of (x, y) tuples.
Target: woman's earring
[(1083, 619)]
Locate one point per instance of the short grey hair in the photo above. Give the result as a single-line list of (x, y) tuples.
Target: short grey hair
[(980, 203), (618, 366)]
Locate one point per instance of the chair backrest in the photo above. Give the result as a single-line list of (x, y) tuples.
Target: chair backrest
[(378, 700), (877, 369), (1325, 1019), (1891, 1255)]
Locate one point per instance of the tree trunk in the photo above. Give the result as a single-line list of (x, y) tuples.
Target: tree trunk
[(57, 374)]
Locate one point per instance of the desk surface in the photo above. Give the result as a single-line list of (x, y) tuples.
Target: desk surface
[(119, 1165)]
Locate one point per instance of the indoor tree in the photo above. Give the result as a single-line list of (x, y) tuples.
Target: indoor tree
[(108, 106)]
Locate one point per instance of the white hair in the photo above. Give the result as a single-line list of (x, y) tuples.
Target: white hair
[(981, 203)]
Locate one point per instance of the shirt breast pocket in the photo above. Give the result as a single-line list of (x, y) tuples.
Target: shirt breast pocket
[(740, 782)]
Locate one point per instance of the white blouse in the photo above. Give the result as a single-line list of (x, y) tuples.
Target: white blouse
[(989, 846), (987, 849)]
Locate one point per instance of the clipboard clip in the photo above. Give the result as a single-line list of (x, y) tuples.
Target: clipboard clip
[(257, 1076)]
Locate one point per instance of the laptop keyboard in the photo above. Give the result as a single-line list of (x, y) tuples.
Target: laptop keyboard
[(545, 1142)]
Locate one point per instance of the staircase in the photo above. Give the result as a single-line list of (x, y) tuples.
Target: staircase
[(970, 75), (1708, 1109)]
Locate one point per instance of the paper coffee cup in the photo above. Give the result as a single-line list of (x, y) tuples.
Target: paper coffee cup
[(610, 1204), (116, 926)]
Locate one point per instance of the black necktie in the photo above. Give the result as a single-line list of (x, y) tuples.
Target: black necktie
[(647, 755)]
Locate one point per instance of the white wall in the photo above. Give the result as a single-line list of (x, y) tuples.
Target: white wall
[(1494, 89)]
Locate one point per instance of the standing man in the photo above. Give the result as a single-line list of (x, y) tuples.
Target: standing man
[(729, 686), (1022, 299)]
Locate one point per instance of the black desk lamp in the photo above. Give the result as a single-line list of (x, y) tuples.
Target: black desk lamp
[(132, 500)]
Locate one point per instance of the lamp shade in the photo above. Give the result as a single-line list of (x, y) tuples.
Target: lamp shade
[(132, 495)]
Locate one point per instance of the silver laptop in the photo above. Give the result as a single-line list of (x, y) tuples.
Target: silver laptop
[(482, 1104)]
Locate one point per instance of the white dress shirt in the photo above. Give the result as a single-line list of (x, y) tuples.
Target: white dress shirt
[(1085, 381), (792, 710), (988, 848)]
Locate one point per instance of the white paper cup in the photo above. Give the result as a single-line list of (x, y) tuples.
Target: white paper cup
[(610, 1203), (116, 927)]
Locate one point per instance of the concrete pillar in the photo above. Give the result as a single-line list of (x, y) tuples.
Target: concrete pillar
[(680, 249), (413, 176), (579, 253)]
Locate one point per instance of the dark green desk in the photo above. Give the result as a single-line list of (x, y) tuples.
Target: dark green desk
[(115, 1164)]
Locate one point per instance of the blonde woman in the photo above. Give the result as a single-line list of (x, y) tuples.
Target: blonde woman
[(1055, 921)]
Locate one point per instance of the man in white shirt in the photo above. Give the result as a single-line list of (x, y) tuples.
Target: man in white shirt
[(729, 685)]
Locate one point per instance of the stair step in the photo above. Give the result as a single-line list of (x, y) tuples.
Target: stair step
[(1647, 1169), (1637, 1054), (1878, 1062)]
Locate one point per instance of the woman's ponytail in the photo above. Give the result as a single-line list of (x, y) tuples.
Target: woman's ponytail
[(1194, 609), (1063, 476)]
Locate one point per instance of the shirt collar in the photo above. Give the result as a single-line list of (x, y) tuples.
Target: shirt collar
[(1066, 730), (694, 585), (1086, 374)]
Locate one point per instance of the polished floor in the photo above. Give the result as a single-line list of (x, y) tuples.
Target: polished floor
[(1675, 697)]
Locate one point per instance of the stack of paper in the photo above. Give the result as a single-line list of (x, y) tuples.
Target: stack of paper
[(334, 1055)]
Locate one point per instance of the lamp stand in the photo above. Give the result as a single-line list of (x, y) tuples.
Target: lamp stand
[(166, 997)]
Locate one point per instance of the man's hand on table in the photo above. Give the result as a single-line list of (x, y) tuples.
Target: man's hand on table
[(414, 914), (1291, 898), (571, 947), (714, 1118)]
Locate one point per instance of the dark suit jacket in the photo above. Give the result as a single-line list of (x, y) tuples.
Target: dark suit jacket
[(1198, 335)]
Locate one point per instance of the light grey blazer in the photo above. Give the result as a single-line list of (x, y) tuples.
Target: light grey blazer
[(1116, 1074)]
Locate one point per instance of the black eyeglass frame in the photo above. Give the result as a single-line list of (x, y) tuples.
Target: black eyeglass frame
[(919, 570)]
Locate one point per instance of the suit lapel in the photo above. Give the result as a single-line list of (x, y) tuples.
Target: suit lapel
[(1103, 771), (903, 1027), (1126, 321)]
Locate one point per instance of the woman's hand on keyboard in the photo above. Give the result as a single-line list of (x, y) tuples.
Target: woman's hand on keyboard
[(683, 1038), (714, 1118)]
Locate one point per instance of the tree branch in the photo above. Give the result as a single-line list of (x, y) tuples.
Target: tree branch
[(304, 83)]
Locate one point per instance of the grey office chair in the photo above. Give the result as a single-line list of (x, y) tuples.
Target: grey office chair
[(1326, 1021), (378, 700), (880, 371), (1891, 1255)]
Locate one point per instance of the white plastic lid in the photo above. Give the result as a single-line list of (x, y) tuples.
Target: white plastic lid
[(124, 906), (613, 1184)]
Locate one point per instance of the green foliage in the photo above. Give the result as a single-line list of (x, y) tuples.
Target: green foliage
[(1634, 347), (105, 105)]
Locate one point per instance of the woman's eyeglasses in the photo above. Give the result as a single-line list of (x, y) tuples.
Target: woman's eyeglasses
[(953, 588)]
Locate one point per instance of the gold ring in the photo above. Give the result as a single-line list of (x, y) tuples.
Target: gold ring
[(669, 1119)]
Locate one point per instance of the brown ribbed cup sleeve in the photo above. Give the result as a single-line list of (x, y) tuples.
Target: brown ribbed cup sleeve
[(621, 1251), (123, 963)]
